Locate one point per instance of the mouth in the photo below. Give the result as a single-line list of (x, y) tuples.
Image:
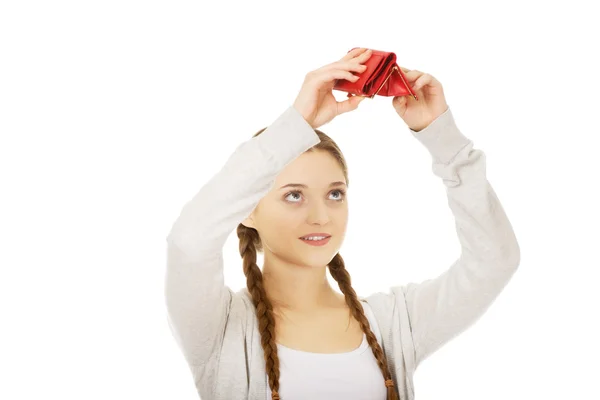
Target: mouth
[(313, 242)]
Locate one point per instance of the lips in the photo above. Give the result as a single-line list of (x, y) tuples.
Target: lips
[(315, 234), (318, 243)]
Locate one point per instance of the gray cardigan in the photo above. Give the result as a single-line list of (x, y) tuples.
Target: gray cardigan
[(216, 328)]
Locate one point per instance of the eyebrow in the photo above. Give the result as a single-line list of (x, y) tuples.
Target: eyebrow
[(300, 185)]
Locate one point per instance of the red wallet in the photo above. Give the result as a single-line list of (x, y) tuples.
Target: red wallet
[(382, 77)]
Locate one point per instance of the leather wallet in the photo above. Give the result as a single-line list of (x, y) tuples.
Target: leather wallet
[(382, 77)]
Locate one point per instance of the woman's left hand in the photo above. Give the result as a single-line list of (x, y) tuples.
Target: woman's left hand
[(418, 114)]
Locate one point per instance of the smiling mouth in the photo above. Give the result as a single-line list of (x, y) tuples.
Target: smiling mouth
[(317, 242)]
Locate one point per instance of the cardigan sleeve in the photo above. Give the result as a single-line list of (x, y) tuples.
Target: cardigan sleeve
[(196, 296), (442, 307)]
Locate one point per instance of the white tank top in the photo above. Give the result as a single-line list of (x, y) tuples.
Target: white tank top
[(353, 375)]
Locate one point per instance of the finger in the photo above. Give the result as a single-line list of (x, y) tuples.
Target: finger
[(349, 105), (419, 83), (413, 75), (405, 70), (353, 53), (346, 66), (358, 59), (364, 56), (400, 104), (423, 80), (354, 57), (328, 75)]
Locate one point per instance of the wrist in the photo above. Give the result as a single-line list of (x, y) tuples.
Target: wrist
[(304, 115), (442, 137)]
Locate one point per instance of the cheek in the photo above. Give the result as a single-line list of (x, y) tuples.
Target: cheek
[(282, 226)]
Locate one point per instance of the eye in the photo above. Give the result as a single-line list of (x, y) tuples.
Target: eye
[(342, 194), (340, 197), (292, 193)]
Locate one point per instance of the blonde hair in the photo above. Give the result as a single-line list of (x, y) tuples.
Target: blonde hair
[(250, 244)]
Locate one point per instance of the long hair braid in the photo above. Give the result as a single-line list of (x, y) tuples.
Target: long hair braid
[(338, 271), (250, 244), (264, 308)]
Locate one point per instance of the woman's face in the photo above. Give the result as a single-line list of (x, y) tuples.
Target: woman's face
[(285, 214)]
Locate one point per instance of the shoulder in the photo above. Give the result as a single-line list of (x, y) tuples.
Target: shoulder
[(391, 312), (386, 303)]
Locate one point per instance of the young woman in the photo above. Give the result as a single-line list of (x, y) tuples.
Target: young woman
[(289, 335)]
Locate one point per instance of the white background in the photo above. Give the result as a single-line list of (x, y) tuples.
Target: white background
[(114, 113)]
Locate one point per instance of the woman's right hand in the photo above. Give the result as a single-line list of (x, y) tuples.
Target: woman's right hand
[(316, 102)]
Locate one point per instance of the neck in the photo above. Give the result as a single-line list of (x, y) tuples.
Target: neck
[(297, 288)]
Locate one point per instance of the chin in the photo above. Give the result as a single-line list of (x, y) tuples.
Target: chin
[(309, 256), (317, 259)]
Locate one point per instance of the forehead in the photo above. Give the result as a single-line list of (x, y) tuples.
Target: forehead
[(315, 169)]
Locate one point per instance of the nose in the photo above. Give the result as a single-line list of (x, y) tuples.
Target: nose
[(318, 214)]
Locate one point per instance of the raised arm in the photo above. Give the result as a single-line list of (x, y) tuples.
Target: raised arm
[(441, 308), (196, 297)]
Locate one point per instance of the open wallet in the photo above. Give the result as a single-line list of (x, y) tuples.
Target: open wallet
[(382, 77)]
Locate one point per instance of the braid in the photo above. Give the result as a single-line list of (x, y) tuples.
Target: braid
[(264, 309), (338, 271), (250, 243), (266, 321)]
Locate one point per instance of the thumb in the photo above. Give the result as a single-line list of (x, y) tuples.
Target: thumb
[(399, 104), (350, 104)]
